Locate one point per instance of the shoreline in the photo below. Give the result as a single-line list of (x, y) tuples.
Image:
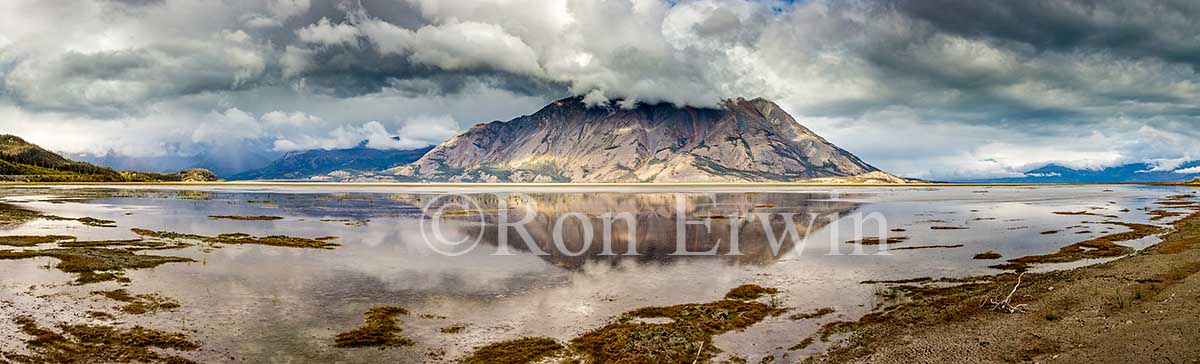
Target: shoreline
[(1137, 308)]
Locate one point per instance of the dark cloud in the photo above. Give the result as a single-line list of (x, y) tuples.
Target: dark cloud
[(1157, 28), (995, 86)]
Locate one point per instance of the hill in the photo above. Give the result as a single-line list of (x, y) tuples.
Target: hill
[(26, 162)]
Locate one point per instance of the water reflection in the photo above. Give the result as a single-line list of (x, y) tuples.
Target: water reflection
[(571, 229)]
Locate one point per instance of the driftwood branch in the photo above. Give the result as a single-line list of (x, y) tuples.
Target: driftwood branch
[(1006, 305)]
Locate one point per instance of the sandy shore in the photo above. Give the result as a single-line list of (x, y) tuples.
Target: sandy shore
[(1143, 308)]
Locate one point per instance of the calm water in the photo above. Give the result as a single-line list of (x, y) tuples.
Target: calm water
[(284, 305)]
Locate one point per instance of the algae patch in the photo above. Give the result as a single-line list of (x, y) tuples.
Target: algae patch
[(244, 218), (749, 292), (1100, 247), (990, 254), (685, 337), (83, 344), (877, 241), (139, 304), (812, 315), (32, 240), (380, 330), (95, 264), (241, 238), (519, 351)]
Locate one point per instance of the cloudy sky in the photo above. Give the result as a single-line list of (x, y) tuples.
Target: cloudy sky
[(924, 88)]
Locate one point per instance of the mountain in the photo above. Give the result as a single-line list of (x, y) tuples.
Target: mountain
[(1133, 172), (319, 162), (24, 161), (224, 160), (568, 141)]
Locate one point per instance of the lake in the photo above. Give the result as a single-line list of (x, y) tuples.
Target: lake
[(506, 263)]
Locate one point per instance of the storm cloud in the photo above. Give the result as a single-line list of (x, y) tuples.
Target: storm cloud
[(933, 89)]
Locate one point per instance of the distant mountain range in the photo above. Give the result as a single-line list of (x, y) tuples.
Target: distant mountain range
[(24, 161), (1133, 172), (330, 164), (224, 160), (568, 141)]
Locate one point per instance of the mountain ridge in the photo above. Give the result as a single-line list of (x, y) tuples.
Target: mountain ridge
[(568, 141), (319, 163), (27, 162)]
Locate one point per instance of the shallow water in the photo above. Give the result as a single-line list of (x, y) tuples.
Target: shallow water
[(264, 304)]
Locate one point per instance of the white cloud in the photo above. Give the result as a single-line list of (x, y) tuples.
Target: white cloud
[(374, 133), (292, 119), (295, 61), (428, 129), (468, 45), (325, 33), (229, 125), (1192, 170), (288, 8)]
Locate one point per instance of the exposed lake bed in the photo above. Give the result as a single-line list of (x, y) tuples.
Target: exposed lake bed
[(275, 274)]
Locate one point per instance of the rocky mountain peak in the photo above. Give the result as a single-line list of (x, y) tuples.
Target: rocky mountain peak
[(568, 141)]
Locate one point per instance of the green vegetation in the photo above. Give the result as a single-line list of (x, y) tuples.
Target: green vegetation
[(187, 175), (25, 162), (380, 330), (20, 158)]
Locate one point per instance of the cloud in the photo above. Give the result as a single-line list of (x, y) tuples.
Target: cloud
[(325, 33), (1192, 170), (375, 136), (930, 88), (122, 81)]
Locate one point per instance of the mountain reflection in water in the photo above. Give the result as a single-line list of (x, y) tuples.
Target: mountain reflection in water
[(585, 221)]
